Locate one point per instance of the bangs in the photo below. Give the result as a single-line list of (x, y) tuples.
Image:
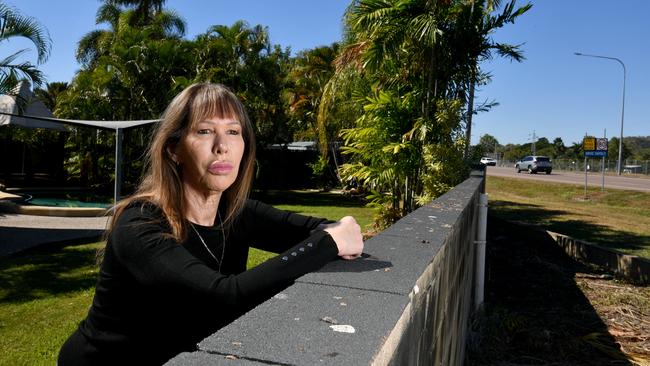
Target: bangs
[(215, 102)]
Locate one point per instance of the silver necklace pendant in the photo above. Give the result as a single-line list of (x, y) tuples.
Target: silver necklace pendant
[(223, 246)]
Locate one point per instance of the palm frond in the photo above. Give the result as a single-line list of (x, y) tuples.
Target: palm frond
[(11, 73), (90, 46), (425, 29), (512, 52), (171, 22), (14, 24), (108, 13)]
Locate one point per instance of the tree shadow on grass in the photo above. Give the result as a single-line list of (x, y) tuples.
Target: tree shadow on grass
[(552, 220), (47, 271), (534, 312), (306, 198)]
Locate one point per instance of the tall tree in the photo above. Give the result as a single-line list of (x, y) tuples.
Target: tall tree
[(310, 72), (395, 45), (418, 58), (150, 15), (129, 72), (15, 24), (477, 22), (243, 58), (558, 147), (50, 95), (144, 10), (489, 143), (612, 147)]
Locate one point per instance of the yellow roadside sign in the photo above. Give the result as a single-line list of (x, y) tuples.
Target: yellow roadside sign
[(589, 143)]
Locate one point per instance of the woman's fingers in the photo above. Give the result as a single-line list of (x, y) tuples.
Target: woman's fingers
[(347, 236), (350, 257)]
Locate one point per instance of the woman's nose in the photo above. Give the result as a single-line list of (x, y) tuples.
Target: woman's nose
[(220, 144)]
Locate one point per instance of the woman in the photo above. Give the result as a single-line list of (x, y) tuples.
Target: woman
[(174, 266)]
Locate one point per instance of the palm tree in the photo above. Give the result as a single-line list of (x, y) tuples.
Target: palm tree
[(242, 57), (97, 42), (227, 51), (14, 24), (144, 11), (50, 94), (429, 41), (420, 58), (311, 71), (398, 36), (149, 15), (479, 22), (410, 116)]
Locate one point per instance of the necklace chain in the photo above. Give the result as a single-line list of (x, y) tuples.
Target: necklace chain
[(223, 246)]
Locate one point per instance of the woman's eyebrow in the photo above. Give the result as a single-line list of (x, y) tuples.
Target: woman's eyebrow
[(211, 122)]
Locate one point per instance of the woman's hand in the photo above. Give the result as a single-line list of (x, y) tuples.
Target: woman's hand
[(347, 236)]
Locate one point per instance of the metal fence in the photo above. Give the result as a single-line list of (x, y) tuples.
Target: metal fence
[(631, 167)]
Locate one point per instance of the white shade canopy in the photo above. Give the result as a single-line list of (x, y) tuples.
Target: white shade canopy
[(36, 114), (32, 121), (9, 110)]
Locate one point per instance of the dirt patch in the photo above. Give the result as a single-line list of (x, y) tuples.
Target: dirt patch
[(543, 308)]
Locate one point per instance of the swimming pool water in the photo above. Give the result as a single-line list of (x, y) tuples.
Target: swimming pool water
[(66, 199), (62, 202)]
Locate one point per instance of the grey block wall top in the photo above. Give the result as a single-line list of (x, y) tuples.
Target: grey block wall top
[(311, 324), (203, 358), (389, 264)]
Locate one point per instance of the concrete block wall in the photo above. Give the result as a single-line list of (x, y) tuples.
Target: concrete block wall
[(405, 302)]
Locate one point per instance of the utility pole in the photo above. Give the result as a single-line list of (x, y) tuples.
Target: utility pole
[(620, 144), (534, 140), (602, 165), (586, 197)]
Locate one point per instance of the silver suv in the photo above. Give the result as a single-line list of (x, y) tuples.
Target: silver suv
[(534, 164)]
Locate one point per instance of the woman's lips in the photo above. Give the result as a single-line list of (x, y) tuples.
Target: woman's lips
[(220, 167)]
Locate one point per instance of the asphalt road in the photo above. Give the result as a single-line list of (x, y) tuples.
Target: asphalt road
[(593, 179)]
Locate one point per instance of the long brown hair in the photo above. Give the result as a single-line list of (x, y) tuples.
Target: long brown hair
[(162, 184)]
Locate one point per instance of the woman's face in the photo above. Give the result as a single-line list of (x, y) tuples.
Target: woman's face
[(210, 154)]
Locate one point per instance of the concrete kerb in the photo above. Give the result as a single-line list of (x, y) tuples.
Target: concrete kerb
[(631, 267), (634, 268), (20, 232)]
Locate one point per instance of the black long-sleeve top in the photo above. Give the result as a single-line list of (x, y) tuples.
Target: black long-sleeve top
[(156, 298)]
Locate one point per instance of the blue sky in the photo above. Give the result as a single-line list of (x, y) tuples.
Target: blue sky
[(557, 94), (553, 93)]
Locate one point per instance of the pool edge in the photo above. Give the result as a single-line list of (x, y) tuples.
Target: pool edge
[(12, 207)]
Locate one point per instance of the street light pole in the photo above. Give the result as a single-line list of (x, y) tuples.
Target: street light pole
[(620, 142)]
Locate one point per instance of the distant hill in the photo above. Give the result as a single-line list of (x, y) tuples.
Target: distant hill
[(638, 142), (636, 148)]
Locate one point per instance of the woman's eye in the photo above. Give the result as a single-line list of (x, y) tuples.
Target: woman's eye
[(233, 132), (204, 131)]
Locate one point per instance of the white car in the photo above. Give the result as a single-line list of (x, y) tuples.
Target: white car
[(488, 161)]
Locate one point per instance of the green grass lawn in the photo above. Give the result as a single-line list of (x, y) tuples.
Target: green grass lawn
[(44, 293), (615, 219), (329, 205)]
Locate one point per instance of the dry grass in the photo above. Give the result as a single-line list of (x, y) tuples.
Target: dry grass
[(615, 219), (625, 309)]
